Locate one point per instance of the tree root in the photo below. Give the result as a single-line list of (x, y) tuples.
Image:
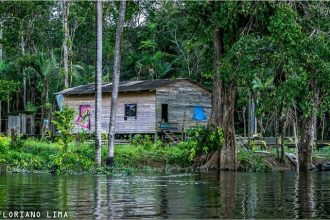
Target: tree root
[(212, 163)]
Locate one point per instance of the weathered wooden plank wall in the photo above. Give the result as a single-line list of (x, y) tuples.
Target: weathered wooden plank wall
[(181, 98), (145, 122)]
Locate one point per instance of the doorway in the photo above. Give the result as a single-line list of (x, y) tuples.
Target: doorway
[(165, 112)]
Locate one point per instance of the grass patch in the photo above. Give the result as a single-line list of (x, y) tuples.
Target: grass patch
[(33, 155)]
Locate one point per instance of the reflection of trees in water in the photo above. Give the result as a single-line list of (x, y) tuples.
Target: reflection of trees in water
[(109, 199), (163, 199), (63, 192), (248, 196), (228, 187), (305, 195), (33, 192), (131, 197), (322, 195), (97, 197), (228, 195), (129, 207), (82, 187)]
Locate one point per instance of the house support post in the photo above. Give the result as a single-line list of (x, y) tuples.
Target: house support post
[(155, 137)]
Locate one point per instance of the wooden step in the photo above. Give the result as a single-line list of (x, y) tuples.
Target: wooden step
[(169, 134)]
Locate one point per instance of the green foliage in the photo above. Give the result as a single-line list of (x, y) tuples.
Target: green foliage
[(278, 52), (81, 137), (154, 155), (7, 88), (30, 107), (249, 161), (35, 155), (4, 144), (202, 140), (71, 162), (64, 124), (142, 140)]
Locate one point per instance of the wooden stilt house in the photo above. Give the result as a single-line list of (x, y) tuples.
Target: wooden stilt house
[(144, 107)]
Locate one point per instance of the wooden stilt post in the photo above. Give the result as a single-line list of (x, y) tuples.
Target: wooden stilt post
[(155, 137)]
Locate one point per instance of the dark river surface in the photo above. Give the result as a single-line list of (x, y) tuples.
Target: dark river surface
[(175, 196)]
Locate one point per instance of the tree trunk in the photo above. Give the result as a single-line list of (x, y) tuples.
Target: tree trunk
[(65, 10), (8, 105), (305, 143), (1, 51), (307, 133), (252, 115), (244, 122), (223, 103), (115, 83), (261, 126), (215, 120), (44, 110), (323, 125), (23, 70), (46, 86), (98, 84), (228, 151)]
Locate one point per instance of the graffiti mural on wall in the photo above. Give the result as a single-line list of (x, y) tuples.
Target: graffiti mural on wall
[(83, 119)]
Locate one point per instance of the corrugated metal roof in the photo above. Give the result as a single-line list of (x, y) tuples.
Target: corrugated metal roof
[(125, 86)]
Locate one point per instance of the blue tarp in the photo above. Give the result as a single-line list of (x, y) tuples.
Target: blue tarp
[(59, 99), (199, 113)]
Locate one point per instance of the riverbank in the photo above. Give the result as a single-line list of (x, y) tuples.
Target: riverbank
[(45, 157), (39, 156)]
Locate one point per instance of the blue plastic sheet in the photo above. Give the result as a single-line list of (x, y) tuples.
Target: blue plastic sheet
[(199, 113), (59, 99)]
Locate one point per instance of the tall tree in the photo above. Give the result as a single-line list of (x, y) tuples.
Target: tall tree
[(223, 24), (115, 83), (223, 104), (302, 69), (66, 39), (98, 83)]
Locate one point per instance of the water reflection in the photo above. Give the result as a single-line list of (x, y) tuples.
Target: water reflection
[(228, 186), (109, 198), (184, 196), (98, 199)]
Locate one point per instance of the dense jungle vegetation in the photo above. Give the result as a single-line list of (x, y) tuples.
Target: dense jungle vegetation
[(276, 54)]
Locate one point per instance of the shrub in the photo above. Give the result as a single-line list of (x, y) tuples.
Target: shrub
[(249, 161), (71, 161), (64, 124), (81, 137), (202, 140), (142, 140), (4, 144)]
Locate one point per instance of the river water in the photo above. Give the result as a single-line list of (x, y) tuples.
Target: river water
[(174, 196)]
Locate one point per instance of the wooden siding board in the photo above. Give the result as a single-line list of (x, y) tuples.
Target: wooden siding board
[(146, 117), (181, 97)]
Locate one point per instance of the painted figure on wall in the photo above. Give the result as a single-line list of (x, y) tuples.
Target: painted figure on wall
[(83, 119)]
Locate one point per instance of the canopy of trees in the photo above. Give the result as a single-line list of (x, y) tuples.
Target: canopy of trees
[(278, 53)]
